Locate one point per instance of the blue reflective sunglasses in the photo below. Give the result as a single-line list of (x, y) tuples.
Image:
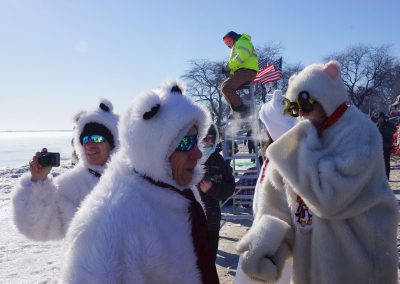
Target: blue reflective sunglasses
[(94, 138), (187, 143)]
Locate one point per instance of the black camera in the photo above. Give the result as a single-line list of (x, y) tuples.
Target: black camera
[(213, 174), (49, 159)]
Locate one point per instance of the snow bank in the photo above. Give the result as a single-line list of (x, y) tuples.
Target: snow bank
[(22, 260)]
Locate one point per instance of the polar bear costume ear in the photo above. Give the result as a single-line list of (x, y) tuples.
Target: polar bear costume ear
[(176, 89), (75, 117), (332, 68), (106, 105), (154, 110)]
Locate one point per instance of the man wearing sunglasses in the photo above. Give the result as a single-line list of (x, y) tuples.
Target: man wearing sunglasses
[(143, 223), (242, 68), (43, 207), (333, 210)]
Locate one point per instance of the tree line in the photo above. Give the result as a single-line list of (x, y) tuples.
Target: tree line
[(371, 75)]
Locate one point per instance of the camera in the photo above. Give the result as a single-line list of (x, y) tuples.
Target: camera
[(213, 174), (49, 159)]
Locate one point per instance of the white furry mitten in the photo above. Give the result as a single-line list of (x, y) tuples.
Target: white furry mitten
[(264, 253)]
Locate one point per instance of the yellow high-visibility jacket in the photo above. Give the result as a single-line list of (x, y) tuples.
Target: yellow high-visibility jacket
[(243, 55)]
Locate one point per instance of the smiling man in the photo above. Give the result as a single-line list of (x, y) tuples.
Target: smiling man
[(43, 207), (143, 222)]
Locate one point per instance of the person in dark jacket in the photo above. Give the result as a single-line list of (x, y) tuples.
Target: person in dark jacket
[(218, 184), (250, 143), (387, 130)]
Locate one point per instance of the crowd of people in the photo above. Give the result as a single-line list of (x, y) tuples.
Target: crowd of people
[(141, 205)]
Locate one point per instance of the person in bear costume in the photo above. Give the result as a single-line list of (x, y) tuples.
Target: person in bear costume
[(326, 200), (43, 207), (276, 123), (143, 223)]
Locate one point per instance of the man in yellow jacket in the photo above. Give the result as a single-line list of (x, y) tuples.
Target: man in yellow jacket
[(242, 68)]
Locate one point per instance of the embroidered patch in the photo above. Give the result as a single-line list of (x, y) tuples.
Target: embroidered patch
[(302, 215)]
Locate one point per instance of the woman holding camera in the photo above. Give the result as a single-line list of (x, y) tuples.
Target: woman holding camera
[(43, 207)]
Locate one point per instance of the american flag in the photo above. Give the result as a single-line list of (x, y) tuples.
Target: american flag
[(271, 73)]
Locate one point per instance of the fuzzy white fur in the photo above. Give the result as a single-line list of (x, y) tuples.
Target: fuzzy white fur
[(106, 118), (323, 84), (264, 261), (43, 210), (129, 230), (340, 176), (271, 114), (277, 123)]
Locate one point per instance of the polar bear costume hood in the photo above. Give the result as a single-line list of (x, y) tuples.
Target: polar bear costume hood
[(103, 115), (151, 129), (271, 114), (322, 82)]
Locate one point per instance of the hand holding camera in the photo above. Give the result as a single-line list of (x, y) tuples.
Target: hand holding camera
[(41, 164)]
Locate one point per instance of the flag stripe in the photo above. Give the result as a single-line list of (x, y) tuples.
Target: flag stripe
[(271, 73), (272, 77)]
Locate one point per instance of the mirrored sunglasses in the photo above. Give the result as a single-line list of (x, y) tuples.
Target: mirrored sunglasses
[(187, 143), (94, 138)]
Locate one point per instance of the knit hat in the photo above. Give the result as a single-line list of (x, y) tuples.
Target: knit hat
[(96, 128), (153, 125), (232, 35), (102, 121), (271, 114), (213, 130), (322, 82)]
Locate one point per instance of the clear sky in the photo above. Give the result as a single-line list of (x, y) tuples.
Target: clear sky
[(61, 56)]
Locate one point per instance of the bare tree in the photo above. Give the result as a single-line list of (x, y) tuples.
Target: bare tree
[(203, 79), (271, 51), (368, 73)]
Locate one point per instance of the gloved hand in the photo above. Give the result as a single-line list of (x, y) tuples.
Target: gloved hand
[(264, 251), (225, 69)]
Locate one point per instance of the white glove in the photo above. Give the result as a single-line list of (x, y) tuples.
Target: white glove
[(264, 251)]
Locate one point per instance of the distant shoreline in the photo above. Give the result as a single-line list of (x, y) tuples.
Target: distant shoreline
[(2, 131)]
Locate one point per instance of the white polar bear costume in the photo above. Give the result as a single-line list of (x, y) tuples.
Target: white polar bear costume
[(130, 230), (43, 210), (277, 123), (339, 174)]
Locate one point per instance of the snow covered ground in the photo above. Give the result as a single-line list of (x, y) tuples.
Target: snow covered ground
[(22, 260), (25, 261)]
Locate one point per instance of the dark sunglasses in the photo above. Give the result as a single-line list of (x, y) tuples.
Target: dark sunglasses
[(304, 104), (187, 143), (94, 138)]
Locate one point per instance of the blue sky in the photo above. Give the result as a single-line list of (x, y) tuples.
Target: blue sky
[(61, 56)]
